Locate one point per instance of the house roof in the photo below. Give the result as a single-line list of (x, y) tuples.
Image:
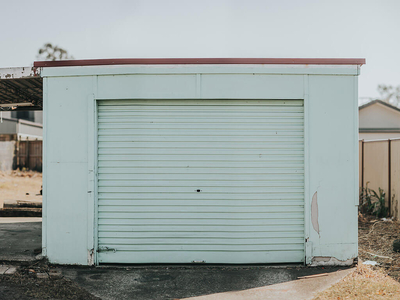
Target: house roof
[(380, 102), (386, 124)]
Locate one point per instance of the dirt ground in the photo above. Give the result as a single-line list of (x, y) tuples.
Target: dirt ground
[(375, 243), (363, 283), (18, 185)]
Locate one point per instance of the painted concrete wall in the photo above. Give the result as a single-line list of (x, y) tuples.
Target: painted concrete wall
[(9, 126), (30, 129), (331, 118), (38, 116), (7, 114), (333, 157), (7, 151)]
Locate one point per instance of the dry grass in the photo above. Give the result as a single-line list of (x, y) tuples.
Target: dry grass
[(15, 186), (363, 283), (375, 239)]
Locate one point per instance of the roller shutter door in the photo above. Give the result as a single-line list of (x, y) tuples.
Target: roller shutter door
[(200, 181)]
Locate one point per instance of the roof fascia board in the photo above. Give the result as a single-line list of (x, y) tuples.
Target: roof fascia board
[(200, 61), (201, 69)]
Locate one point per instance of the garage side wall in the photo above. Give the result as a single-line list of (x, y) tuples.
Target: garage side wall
[(331, 150), (333, 164), (66, 168)]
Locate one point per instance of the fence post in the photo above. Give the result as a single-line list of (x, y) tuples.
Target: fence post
[(390, 177), (362, 164), (27, 155)]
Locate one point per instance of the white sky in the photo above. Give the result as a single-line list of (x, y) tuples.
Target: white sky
[(219, 28)]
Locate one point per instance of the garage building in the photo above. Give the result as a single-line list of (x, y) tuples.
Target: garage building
[(200, 161)]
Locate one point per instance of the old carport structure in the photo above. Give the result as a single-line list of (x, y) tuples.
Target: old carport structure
[(21, 89), (198, 160)]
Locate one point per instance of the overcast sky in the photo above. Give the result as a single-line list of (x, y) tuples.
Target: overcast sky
[(219, 28)]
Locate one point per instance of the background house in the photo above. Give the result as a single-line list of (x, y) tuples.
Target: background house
[(13, 129), (379, 120), (27, 115), (21, 140)]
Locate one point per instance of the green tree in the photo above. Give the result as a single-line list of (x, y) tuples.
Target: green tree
[(52, 52), (389, 94)]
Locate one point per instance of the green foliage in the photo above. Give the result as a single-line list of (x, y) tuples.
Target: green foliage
[(373, 203), (52, 52), (389, 94)]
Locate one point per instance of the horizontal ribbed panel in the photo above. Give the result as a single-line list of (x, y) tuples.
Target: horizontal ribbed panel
[(183, 181)]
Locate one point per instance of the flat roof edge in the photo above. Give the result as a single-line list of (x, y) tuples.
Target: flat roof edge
[(19, 72), (200, 61)]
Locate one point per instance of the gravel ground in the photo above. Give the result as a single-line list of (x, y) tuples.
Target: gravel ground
[(24, 284)]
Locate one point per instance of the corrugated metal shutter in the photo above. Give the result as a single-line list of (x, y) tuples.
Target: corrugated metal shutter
[(191, 181)]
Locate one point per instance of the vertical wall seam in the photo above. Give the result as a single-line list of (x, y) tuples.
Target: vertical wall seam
[(44, 169), (95, 160), (307, 206), (356, 143)]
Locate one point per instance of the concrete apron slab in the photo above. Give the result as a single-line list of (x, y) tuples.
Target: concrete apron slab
[(302, 289), (19, 240), (179, 282)]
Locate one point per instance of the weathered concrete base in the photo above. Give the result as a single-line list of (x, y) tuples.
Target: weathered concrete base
[(321, 261)]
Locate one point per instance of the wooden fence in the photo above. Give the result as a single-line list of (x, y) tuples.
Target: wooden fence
[(29, 155), (379, 166)]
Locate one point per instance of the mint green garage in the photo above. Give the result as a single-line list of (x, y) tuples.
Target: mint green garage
[(200, 161)]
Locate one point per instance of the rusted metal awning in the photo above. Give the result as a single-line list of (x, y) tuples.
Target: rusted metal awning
[(21, 89)]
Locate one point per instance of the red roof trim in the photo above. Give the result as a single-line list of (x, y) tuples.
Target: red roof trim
[(200, 61)]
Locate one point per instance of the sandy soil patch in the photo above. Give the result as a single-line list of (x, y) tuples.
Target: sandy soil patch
[(375, 239), (17, 185)]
